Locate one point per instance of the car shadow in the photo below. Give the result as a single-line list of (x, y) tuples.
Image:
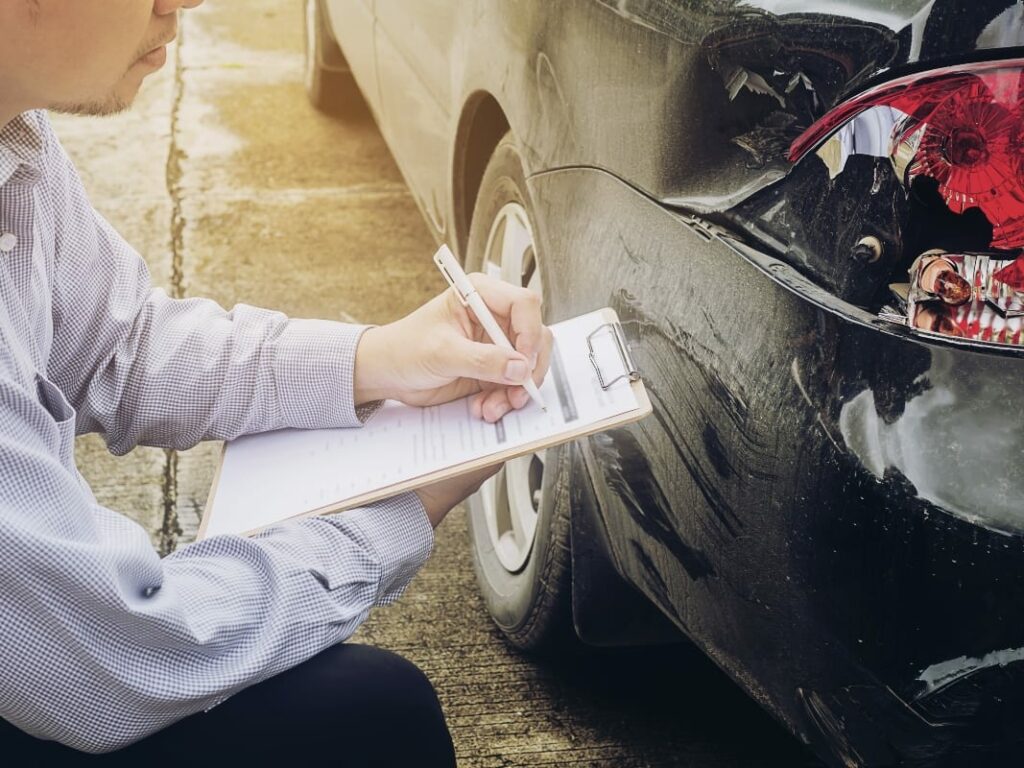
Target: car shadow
[(675, 699)]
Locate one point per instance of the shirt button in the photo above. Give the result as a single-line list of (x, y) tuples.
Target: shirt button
[(7, 242)]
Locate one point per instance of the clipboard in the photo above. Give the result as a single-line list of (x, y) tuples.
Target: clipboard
[(609, 355)]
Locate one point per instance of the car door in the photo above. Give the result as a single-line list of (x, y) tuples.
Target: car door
[(413, 63)]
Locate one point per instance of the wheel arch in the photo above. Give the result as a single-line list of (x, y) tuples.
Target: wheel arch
[(606, 609), (481, 125)]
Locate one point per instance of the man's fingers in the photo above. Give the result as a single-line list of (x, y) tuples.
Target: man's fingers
[(498, 295), (495, 404), (540, 370), (475, 405), (521, 308), (501, 372), (518, 397), (483, 361), (527, 326)]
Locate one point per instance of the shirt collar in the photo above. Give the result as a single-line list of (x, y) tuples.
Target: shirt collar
[(21, 146)]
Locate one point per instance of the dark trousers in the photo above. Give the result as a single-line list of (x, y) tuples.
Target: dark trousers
[(351, 706)]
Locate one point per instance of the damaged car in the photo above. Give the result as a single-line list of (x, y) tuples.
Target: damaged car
[(809, 218)]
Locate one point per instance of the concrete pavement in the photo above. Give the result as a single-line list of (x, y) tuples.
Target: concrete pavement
[(233, 188)]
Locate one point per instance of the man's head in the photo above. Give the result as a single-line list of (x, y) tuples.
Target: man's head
[(85, 56)]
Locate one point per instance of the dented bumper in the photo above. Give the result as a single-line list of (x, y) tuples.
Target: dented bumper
[(828, 505)]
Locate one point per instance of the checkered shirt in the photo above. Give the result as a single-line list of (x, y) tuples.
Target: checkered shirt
[(101, 641)]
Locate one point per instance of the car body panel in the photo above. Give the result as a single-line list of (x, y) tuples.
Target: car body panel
[(803, 501), (828, 505), (412, 59), (575, 91)]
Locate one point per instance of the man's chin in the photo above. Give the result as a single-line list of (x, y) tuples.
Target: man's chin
[(118, 100), (110, 106)]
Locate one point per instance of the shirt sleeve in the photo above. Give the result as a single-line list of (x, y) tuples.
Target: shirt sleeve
[(146, 369), (103, 643)]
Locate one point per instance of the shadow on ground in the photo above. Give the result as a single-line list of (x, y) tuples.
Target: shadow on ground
[(669, 692)]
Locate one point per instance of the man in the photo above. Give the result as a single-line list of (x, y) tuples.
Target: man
[(229, 649)]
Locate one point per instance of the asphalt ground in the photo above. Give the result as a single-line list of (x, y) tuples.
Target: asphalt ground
[(234, 188)]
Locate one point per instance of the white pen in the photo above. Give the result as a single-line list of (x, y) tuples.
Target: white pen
[(453, 273)]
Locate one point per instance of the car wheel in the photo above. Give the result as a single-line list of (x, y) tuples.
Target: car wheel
[(328, 80), (519, 519)]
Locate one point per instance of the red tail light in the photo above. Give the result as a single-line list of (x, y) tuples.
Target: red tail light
[(961, 126)]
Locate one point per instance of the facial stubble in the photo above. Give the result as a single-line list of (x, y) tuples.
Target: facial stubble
[(111, 104)]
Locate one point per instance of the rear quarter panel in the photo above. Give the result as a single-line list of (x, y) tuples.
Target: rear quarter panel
[(804, 499)]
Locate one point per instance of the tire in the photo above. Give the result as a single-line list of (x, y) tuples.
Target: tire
[(328, 81), (530, 604)]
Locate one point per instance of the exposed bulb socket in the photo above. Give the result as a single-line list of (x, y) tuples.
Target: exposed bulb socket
[(868, 250)]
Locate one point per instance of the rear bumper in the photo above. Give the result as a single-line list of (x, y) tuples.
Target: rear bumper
[(829, 507)]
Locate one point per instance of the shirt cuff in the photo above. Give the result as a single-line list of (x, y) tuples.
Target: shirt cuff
[(314, 368), (401, 537)]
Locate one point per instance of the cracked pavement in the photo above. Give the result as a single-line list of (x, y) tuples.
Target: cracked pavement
[(234, 188)]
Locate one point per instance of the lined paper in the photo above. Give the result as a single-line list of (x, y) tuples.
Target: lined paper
[(272, 476)]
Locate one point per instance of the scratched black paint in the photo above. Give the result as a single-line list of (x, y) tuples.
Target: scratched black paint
[(629, 476), (829, 506), (827, 577)]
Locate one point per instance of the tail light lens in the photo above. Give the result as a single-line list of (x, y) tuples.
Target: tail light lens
[(962, 127), (957, 132)]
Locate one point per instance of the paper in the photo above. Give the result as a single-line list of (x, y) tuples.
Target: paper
[(271, 476)]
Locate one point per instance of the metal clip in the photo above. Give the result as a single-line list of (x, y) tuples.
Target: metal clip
[(622, 346), (451, 282)]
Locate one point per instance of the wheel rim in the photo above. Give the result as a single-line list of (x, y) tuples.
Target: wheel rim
[(512, 498), (311, 37)]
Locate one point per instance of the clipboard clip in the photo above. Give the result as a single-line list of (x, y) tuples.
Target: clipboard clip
[(629, 367)]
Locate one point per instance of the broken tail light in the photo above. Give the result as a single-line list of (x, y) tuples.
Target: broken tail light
[(959, 132)]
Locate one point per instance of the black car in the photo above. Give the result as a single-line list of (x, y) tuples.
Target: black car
[(809, 218)]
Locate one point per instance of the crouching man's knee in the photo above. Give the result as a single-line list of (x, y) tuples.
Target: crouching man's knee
[(394, 701)]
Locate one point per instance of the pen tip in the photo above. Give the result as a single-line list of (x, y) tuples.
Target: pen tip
[(544, 408)]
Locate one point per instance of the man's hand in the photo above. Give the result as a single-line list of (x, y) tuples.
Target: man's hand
[(440, 352)]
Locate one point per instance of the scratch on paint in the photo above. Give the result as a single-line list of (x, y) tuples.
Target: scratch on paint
[(795, 369), (945, 672)]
